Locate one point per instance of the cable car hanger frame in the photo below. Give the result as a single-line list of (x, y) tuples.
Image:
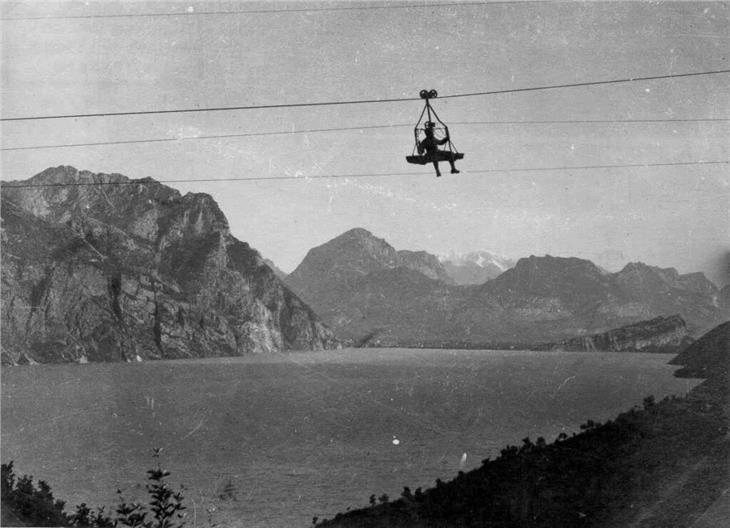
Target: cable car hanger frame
[(428, 148)]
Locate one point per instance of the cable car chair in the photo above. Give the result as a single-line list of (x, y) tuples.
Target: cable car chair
[(440, 129)]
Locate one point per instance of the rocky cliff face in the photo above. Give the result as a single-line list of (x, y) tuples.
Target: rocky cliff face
[(360, 287), (661, 334), (133, 270)]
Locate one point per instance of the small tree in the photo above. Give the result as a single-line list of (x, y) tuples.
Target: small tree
[(85, 517), (99, 519), (37, 507), (165, 504), (129, 514), (82, 515), (165, 508), (7, 480), (590, 424)]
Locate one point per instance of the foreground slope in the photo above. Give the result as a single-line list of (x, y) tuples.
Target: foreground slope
[(133, 270), (662, 465)]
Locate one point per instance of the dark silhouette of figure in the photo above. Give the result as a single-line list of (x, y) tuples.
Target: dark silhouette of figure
[(431, 146)]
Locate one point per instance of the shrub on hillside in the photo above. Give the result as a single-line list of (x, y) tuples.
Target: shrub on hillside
[(37, 507)]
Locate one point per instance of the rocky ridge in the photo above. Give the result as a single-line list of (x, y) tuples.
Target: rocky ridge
[(134, 270), (661, 334), (277, 271)]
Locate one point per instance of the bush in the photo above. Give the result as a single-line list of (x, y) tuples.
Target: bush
[(37, 507)]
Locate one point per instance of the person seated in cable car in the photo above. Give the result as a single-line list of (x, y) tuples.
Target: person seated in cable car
[(431, 146)]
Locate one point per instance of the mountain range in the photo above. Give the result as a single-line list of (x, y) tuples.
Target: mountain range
[(133, 270), (370, 293)]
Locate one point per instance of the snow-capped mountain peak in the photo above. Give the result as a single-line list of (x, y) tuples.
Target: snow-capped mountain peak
[(475, 267)]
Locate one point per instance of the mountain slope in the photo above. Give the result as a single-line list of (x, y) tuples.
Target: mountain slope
[(691, 295), (708, 357), (425, 263), (135, 270), (277, 271)]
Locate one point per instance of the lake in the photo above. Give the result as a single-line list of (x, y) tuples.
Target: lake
[(300, 435)]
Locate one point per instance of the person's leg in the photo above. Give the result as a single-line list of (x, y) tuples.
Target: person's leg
[(449, 156), (436, 166)]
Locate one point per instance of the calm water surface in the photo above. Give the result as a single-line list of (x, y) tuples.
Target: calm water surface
[(303, 434)]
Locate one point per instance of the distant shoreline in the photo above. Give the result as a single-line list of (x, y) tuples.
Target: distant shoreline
[(282, 356), (518, 346)]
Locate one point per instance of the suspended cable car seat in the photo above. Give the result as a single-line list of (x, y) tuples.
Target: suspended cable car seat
[(441, 155), (429, 151)]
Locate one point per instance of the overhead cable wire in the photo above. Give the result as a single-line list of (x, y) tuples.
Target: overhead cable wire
[(383, 6), (363, 175), (594, 121), (362, 101), (588, 83), (214, 136), (358, 128)]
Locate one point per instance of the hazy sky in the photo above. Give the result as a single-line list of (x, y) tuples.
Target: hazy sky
[(668, 216)]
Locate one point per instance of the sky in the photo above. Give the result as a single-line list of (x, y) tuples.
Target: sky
[(219, 54)]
